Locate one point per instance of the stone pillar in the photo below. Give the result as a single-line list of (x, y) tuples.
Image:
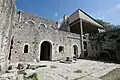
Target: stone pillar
[(81, 39), (21, 77)]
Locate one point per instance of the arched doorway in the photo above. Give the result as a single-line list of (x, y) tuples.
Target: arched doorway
[(107, 55), (26, 48), (46, 51), (75, 49), (104, 56)]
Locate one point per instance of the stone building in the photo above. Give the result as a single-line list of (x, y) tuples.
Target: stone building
[(27, 37)]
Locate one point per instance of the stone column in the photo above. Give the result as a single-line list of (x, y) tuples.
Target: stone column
[(81, 39)]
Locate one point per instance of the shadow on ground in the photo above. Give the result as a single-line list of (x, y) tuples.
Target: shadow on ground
[(100, 60), (113, 75)]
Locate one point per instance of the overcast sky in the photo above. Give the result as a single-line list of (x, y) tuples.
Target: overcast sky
[(108, 10)]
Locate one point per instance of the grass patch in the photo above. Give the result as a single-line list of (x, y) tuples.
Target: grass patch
[(113, 75), (34, 76)]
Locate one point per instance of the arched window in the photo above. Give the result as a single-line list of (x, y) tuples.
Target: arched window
[(43, 26), (31, 23), (75, 50), (51, 26), (26, 49)]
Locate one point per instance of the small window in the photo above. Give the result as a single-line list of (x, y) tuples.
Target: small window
[(61, 49), (31, 24), (26, 49)]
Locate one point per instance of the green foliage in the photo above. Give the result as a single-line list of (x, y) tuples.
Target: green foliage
[(107, 25), (33, 77)]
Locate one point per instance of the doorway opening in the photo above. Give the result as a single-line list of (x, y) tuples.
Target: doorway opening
[(46, 51), (26, 49), (104, 56), (11, 47), (75, 49)]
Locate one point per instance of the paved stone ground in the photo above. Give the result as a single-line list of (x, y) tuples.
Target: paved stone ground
[(81, 70)]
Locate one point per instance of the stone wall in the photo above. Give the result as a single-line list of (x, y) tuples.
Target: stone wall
[(33, 30), (7, 11)]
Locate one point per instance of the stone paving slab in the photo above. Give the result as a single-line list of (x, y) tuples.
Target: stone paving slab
[(103, 72), (89, 70), (49, 74), (89, 78), (81, 70)]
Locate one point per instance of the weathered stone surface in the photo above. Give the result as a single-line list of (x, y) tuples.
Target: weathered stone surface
[(7, 12), (9, 76), (29, 72), (19, 29), (28, 30), (21, 77), (81, 70)]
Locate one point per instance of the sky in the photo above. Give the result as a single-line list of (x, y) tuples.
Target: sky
[(107, 10)]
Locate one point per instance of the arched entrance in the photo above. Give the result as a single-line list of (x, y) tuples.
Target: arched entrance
[(46, 51), (75, 49), (104, 56), (107, 55)]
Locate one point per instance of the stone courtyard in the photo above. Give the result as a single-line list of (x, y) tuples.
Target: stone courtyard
[(78, 70), (81, 70)]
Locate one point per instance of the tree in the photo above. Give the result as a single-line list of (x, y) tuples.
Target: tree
[(117, 27), (107, 25)]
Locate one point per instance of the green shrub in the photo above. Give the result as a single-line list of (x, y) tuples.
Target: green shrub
[(33, 77)]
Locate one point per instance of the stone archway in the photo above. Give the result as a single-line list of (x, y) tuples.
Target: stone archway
[(107, 55), (104, 55), (46, 51)]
